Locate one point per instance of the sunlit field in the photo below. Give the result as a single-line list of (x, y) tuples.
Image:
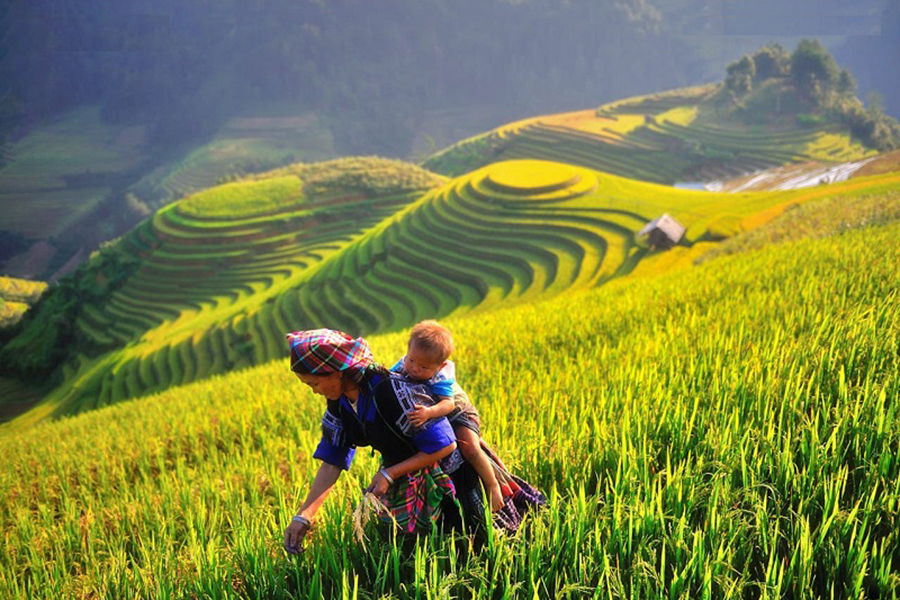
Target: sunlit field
[(725, 430), (205, 280), (16, 295), (677, 312), (209, 284), (663, 138)]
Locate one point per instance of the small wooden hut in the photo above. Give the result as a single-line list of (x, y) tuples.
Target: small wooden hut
[(663, 232)]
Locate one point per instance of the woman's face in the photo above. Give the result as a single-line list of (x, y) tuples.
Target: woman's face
[(330, 386)]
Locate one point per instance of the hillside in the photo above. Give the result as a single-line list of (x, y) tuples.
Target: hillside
[(177, 290), (209, 284), (725, 430), (682, 135), (16, 297), (244, 144), (75, 181), (85, 176), (205, 92), (56, 177)]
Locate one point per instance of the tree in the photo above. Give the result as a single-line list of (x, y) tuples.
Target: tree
[(814, 70), (846, 85), (740, 76), (771, 61)]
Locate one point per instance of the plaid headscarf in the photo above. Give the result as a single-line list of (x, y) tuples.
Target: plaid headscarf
[(323, 351)]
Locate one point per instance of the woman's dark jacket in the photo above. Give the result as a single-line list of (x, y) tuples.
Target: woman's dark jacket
[(380, 421)]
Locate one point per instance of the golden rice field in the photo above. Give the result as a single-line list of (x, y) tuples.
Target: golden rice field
[(680, 135), (728, 430), (21, 290)]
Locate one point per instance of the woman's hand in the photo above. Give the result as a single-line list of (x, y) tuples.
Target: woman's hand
[(379, 485), (326, 477), (294, 534)]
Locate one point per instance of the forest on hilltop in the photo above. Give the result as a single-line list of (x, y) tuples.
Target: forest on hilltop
[(818, 83)]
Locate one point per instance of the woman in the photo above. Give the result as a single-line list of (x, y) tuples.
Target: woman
[(423, 478)]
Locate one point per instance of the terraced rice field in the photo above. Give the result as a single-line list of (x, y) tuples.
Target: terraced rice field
[(243, 145), (62, 170), (216, 294), (663, 138), (210, 262), (539, 229), (727, 431), (510, 232), (198, 280)]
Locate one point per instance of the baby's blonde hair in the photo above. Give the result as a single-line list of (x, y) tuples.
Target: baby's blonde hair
[(432, 337)]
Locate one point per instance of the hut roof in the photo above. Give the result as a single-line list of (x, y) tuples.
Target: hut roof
[(667, 224)]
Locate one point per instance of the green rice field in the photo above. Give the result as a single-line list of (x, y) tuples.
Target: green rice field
[(64, 169), (222, 275), (717, 420), (243, 145), (728, 430)]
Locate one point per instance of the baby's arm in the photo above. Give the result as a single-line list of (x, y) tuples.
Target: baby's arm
[(421, 413)]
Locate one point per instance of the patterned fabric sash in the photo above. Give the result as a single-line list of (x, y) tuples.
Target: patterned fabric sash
[(414, 500)]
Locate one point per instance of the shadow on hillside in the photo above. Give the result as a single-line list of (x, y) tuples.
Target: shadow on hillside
[(11, 410)]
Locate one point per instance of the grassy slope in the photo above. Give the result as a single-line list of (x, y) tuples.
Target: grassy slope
[(210, 264), (63, 169), (726, 430), (664, 138), (205, 303), (244, 144), (885, 163)]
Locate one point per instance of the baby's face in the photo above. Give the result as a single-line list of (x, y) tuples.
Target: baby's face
[(419, 365)]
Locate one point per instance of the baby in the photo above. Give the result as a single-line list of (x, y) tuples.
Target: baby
[(426, 362)]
